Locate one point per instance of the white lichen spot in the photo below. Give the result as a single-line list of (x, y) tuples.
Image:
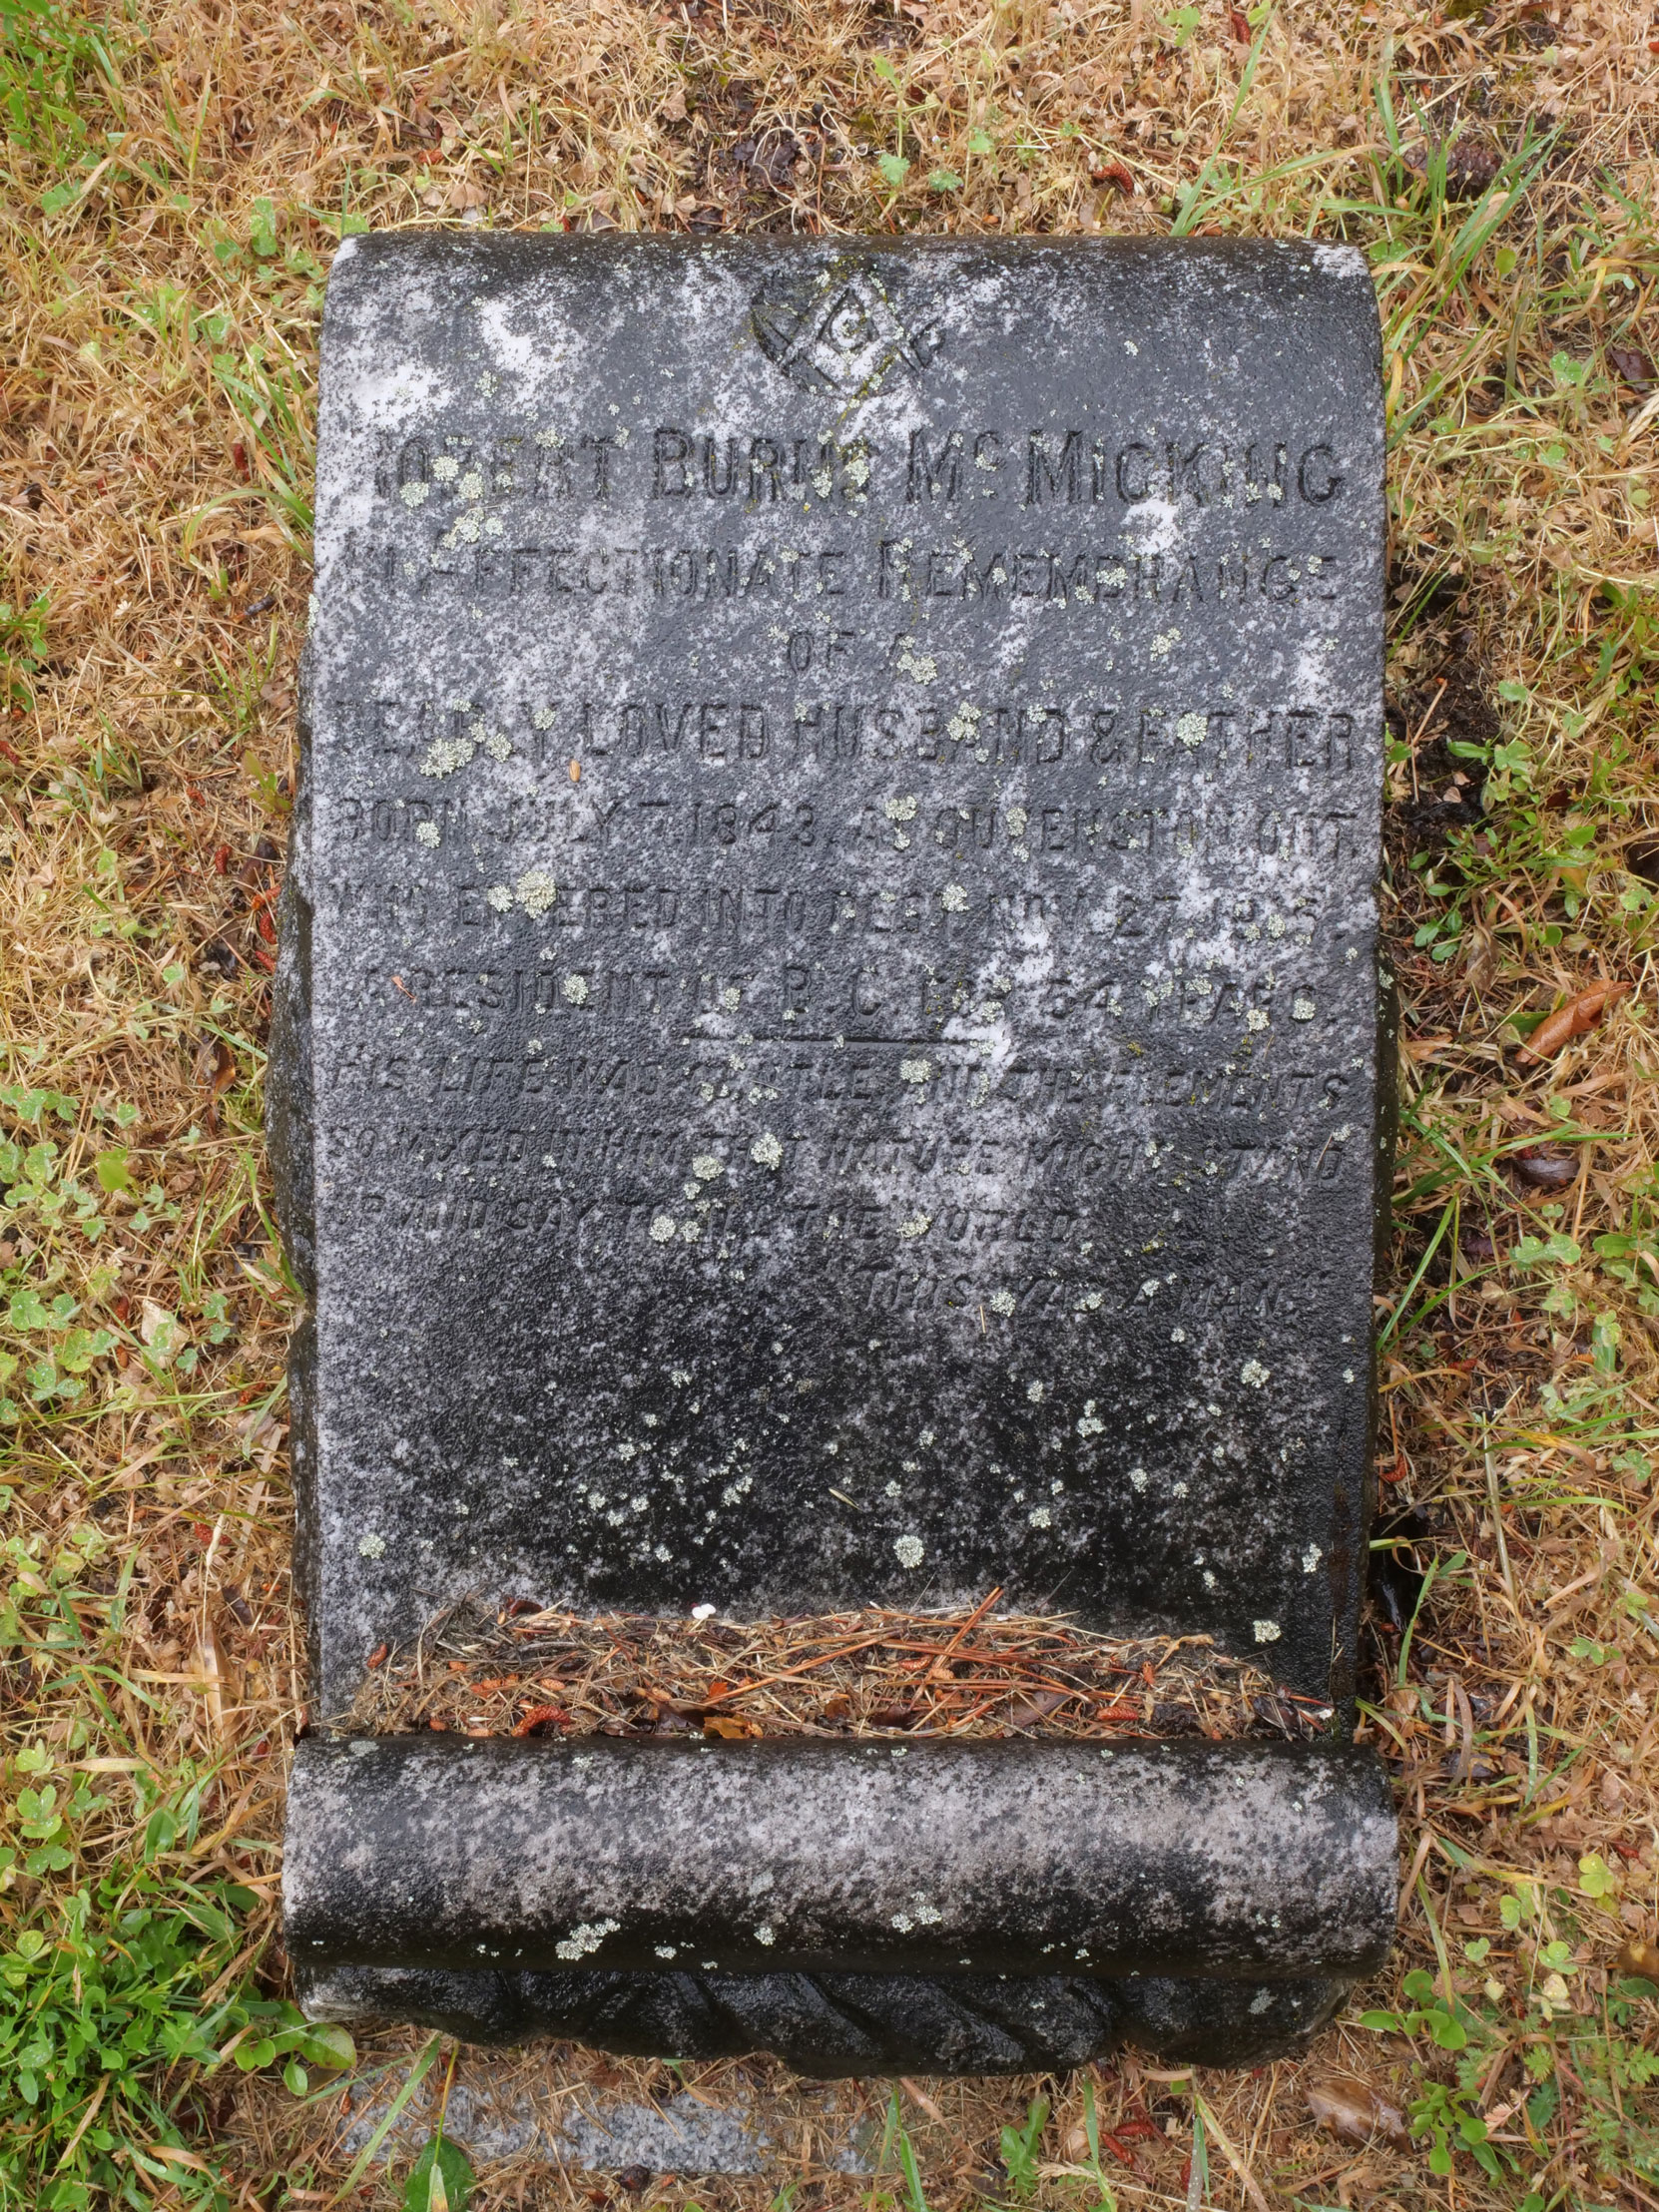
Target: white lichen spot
[(372, 1547), (1192, 729), (1348, 1374), (766, 1151), (1137, 1478), (1267, 1632), (766, 1933), (900, 810), (690, 1230), (498, 898), (1256, 1019), (1090, 1302), (415, 494), (576, 990), (953, 899), (1253, 1374), (1276, 925), (904, 1923), (909, 1551), (1310, 1558), (1164, 642), (1089, 1422), (914, 1071), (445, 755), (471, 486), (536, 891), (917, 1225), (497, 745), (662, 1229), (730, 998), (542, 719), (1302, 1007), (1001, 1302), (1018, 819), (707, 1169), (893, 1490), (922, 666), (428, 834), (446, 469), (666, 1951), (1041, 1518), (1036, 1391), (585, 1937)]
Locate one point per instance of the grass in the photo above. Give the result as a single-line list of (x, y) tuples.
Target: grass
[(172, 181)]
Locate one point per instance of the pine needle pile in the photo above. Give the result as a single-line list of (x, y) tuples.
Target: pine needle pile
[(869, 1673)]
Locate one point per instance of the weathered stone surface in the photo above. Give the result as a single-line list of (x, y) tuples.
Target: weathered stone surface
[(852, 2024), (830, 961), (828, 1052), (1247, 1862), (498, 2107)]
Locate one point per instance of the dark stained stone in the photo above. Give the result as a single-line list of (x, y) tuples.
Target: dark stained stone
[(831, 1028), (1240, 1859)]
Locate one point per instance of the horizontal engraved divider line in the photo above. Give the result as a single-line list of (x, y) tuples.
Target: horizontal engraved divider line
[(845, 1037)]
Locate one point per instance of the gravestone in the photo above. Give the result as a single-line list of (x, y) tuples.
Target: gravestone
[(828, 1056)]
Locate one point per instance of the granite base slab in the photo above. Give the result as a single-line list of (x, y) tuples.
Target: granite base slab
[(983, 1906)]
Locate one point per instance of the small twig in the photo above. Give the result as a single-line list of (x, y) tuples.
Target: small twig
[(1233, 2158)]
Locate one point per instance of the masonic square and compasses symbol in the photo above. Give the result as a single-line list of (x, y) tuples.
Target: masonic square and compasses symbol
[(838, 332)]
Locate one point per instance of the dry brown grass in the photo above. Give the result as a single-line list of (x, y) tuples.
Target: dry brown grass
[(154, 432)]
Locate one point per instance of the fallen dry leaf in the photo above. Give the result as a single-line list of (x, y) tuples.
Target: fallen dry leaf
[(215, 1070), (1549, 1171), (1638, 1956), (1349, 2106), (1037, 1707), (1569, 1021), (1633, 366), (260, 1435)]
